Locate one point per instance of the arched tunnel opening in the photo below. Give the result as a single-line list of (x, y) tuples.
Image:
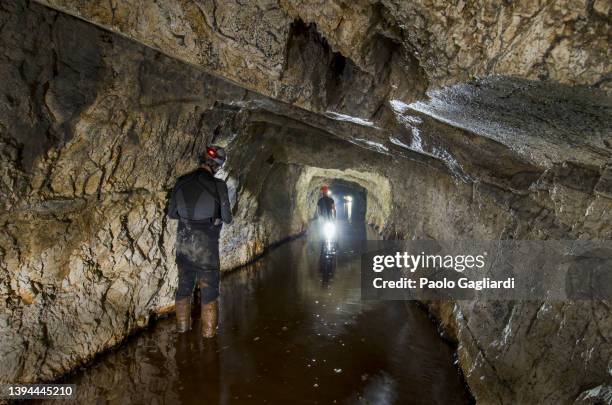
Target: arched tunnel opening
[(130, 133)]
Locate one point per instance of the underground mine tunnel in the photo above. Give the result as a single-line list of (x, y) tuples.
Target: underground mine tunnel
[(430, 122)]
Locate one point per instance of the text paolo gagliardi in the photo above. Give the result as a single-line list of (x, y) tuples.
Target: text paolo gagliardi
[(407, 262)]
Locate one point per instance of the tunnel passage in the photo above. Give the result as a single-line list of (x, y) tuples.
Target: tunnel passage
[(277, 187), (87, 252), (352, 189)]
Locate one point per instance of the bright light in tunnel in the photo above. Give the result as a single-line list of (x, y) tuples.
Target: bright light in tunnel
[(348, 206), (349, 210), (329, 230)]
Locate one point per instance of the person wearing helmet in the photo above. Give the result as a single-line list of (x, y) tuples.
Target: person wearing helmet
[(326, 208), (201, 204)]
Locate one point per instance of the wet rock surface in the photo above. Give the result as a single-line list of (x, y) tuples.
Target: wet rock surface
[(94, 128), (544, 123)]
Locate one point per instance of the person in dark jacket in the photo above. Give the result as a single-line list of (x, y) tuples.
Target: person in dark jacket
[(326, 208), (201, 204)]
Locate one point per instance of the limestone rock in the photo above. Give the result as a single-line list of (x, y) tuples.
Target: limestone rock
[(95, 128), (404, 47)]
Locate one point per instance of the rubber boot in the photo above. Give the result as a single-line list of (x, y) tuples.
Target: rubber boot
[(210, 318), (182, 308)]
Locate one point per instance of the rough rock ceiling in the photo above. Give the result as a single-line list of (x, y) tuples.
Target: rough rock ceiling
[(430, 41), (365, 61)]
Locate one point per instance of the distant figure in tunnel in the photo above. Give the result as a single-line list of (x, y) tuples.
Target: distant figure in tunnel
[(326, 214), (201, 204), (326, 208)]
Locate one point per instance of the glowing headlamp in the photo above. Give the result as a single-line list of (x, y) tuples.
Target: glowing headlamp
[(329, 230), (211, 152)]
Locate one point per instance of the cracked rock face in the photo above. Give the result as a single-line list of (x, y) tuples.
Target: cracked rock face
[(95, 128), (433, 43)]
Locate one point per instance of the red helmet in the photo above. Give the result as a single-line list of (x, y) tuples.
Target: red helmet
[(324, 189)]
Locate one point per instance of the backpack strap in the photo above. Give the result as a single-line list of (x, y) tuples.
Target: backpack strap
[(214, 194)]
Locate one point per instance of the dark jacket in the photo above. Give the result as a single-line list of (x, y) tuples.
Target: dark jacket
[(200, 196), (325, 207)]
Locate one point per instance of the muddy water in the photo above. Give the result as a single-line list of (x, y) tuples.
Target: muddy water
[(293, 330)]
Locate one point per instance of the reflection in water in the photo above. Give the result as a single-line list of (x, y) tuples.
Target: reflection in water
[(327, 266), (288, 334), (204, 373)]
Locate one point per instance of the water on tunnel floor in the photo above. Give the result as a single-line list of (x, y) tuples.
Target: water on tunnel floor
[(293, 330)]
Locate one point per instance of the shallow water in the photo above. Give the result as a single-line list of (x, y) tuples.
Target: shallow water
[(293, 330)]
